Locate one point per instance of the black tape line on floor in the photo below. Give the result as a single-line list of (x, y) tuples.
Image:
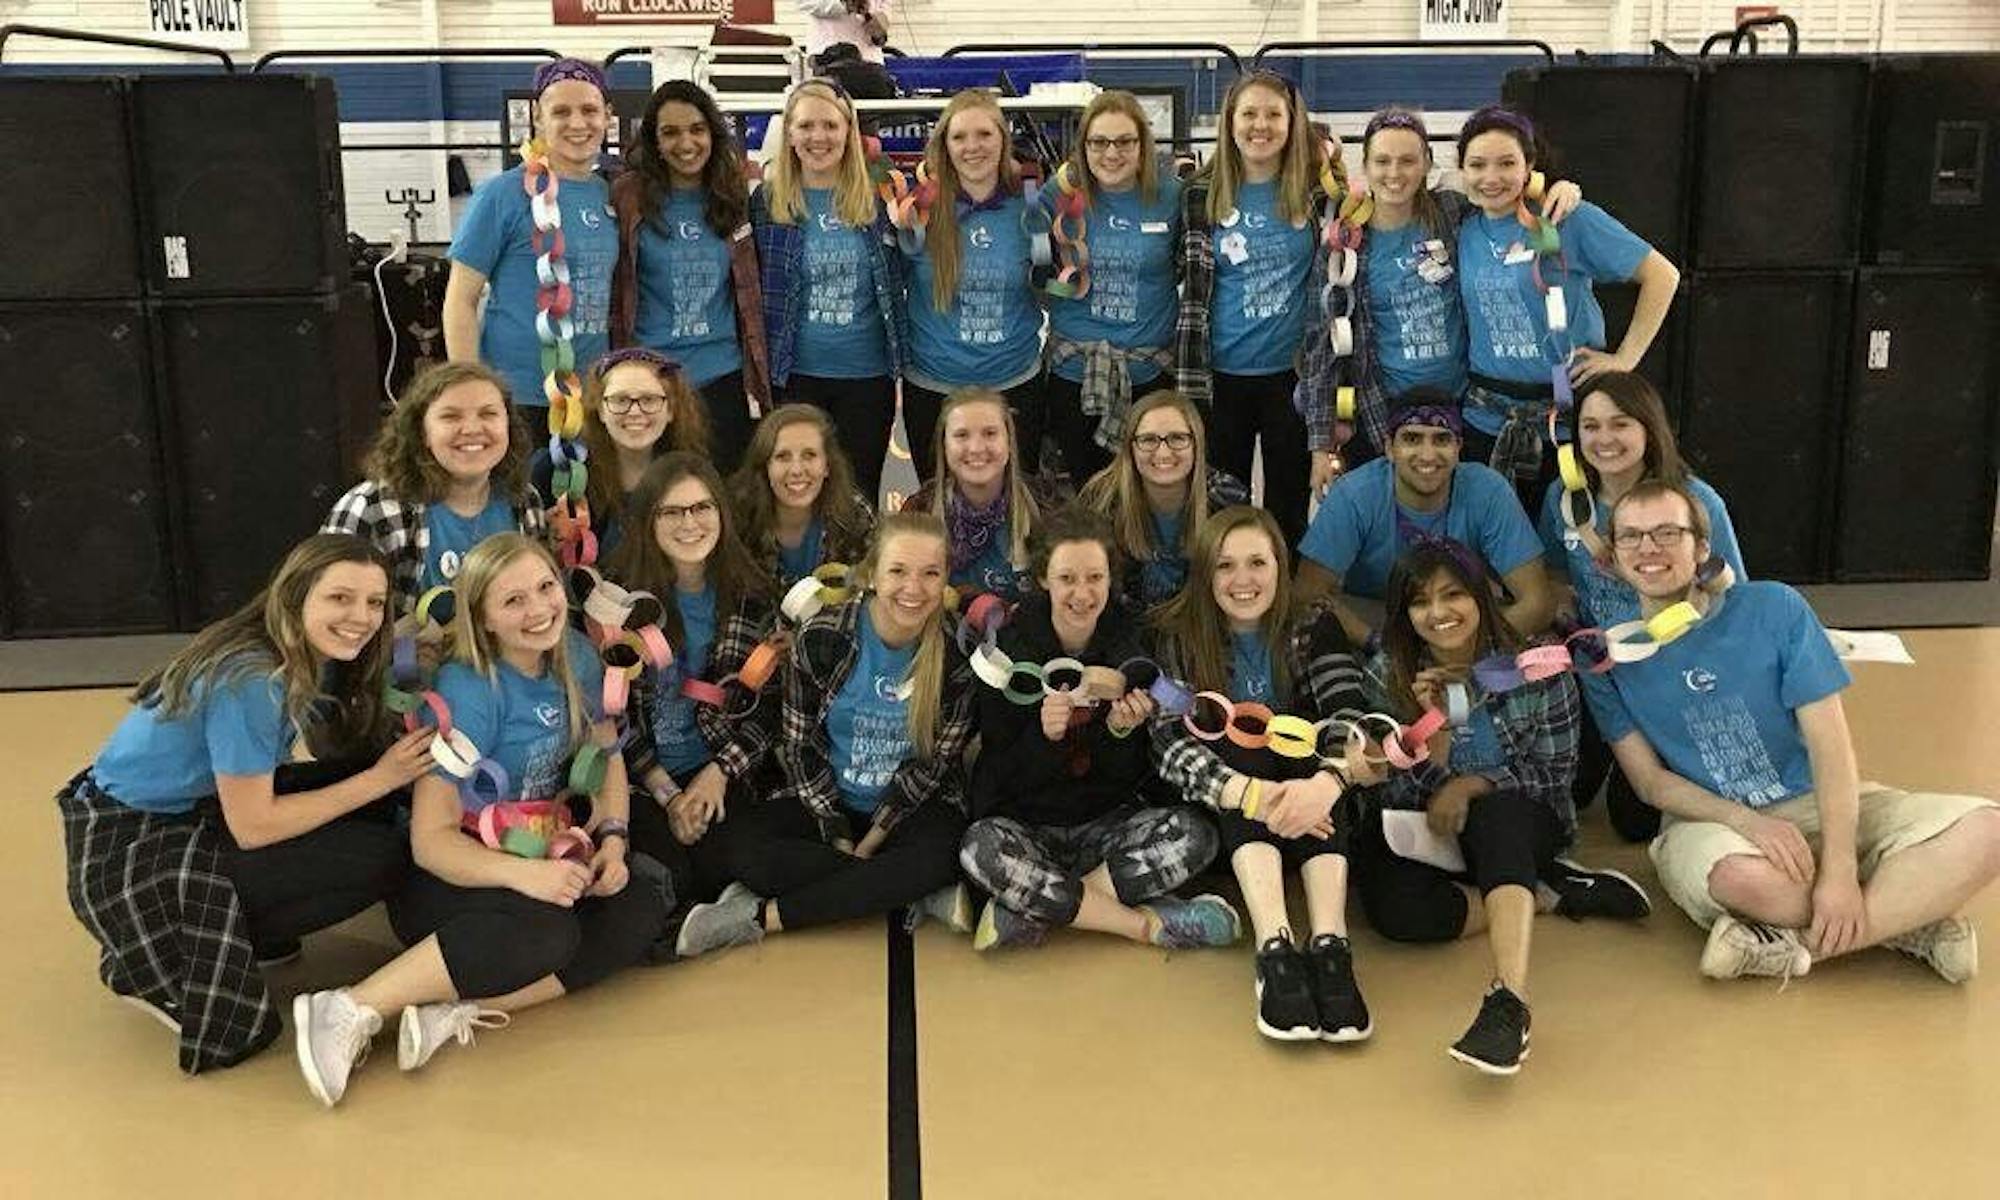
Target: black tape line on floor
[(906, 1160)]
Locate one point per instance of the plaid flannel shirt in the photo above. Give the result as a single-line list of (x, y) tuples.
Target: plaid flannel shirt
[(781, 252), (397, 528), (1326, 678), (1106, 391), (824, 650), (1537, 725), (740, 744), (1194, 374), (1224, 490), (836, 545)]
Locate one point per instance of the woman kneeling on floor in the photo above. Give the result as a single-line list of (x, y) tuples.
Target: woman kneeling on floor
[(513, 907), (868, 807), (1072, 827), (1230, 635), (197, 851), (1496, 785)]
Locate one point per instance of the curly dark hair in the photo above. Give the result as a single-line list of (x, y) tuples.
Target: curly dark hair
[(401, 459)]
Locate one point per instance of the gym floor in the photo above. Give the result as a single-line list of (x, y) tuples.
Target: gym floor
[(850, 1062)]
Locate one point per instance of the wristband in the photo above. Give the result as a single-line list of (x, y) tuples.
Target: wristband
[(611, 827), (1253, 794)]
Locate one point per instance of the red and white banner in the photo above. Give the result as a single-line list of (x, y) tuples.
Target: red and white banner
[(662, 12)]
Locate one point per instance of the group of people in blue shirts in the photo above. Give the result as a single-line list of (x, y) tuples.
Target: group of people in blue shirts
[(669, 684)]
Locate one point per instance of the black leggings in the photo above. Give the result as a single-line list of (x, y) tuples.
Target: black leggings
[(1508, 840), (863, 412), (920, 418), (1250, 408), (496, 940), (780, 855), (702, 870), (323, 876), (1632, 818), (1075, 433), (728, 409)]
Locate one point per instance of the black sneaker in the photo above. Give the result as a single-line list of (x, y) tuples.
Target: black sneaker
[(1343, 1014), (1497, 1043), (1583, 893), (1284, 993)]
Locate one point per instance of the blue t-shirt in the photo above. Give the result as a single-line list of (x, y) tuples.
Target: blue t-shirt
[(1475, 745), (1602, 598), (452, 536), (795, 563), (1718, 703), (159, 764), (687, 302), (1419, 325), (1506, 318), (992, 571), (842, 336), (992, 333), (492, 239), (1162, 576), (1356, 535), (867, 722), (1250, 668), (521, 721), (1261, 261), (1132, 300), (677, 740)]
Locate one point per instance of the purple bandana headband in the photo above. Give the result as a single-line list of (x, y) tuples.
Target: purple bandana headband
[(1395, 118), (634, 354), (1494, 116), (1439, 415), (550, 74)]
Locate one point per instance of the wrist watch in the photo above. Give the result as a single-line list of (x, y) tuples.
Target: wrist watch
[(612, 828)]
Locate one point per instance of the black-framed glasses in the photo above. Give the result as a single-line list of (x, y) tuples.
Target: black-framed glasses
[(700, 510), (1666, 537), (1147, 443), (620, 403), (1098, 145)]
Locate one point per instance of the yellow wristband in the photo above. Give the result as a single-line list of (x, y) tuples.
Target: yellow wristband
[(1251, 795)]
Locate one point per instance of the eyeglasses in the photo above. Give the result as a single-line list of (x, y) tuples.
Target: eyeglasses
[(1666, 537), (646, 402), (1098, 145), (700, 510), (1146, 443)]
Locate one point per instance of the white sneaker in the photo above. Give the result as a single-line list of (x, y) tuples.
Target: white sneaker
[(1950, 947), (1737, 948), (425, 1027), (154, 1011), (332, 1033)]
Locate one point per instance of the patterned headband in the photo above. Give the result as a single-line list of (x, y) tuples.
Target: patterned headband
[(550, 74), (1395, 118), (1441, 415), (1495, 115), (634, 354)]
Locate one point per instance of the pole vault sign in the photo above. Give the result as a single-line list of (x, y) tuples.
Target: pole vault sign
[(663, 12), (224, 24), (1446, 19)]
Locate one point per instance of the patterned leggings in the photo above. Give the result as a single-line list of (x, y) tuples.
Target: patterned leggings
[(1037, 870)]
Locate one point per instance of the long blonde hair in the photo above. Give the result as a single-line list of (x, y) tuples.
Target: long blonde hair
[(268, 635), (1297, 174), (1022, 511), (1120, 490), (928, 666), (853, 197), (469, 640), (1123, 104), (1197, 628), (941, 243)]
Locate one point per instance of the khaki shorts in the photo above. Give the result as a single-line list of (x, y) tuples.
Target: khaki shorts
[(1890, 822)]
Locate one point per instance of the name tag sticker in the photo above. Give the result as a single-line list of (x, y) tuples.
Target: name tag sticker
[(1154, 227)]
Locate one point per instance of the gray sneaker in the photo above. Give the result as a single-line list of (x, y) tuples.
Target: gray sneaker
[(1950, 947), (1206, 920), (949, 906), (1001, 927), (1737, 948), (332, 1034), (730, 920), (425, 1027)]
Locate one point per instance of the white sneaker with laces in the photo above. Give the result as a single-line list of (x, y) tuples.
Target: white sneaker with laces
[(1950, 947), (332, 1034), (1737, 948), (425, 1027)]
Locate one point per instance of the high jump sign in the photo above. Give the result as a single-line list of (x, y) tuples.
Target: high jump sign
[(1445, 19)]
